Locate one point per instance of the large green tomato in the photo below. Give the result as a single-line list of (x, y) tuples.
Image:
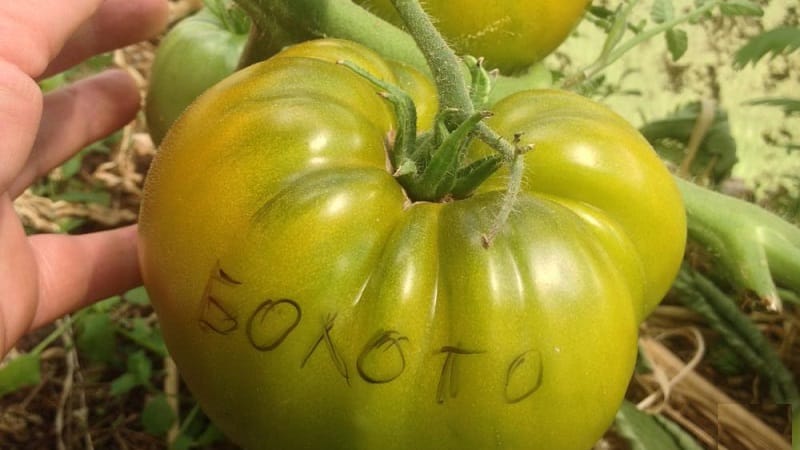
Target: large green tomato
[(198, 52), (310, 304), (509, 34)]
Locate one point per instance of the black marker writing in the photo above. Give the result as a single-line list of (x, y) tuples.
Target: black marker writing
[(272, 322), (524, 376), (448, 380), (382, 358), (214, 316), (337, 359)]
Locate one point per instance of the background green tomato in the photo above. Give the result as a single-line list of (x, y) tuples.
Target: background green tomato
[(198, 52), (309, 303), (510, 34)]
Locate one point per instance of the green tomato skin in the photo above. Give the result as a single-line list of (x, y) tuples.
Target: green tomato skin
[(197, 53), (309, 304)]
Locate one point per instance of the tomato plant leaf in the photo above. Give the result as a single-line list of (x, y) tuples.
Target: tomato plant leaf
[(182, 442), (755, 247), (137, 296), (790, 106), (138, 374), (776, 41), (651, 432), (157, 415), (663, 10), (717, 153), (99, 197), (123, 383), (147, 337), (742, 334), (22, 371), (140, 366), (96, 337), (72, 166), (741, 8), (677, 42), (617, 31)]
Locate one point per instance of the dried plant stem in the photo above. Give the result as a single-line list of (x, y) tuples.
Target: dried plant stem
[(736, 420), (705, 119), (71, 361), (171, 386)]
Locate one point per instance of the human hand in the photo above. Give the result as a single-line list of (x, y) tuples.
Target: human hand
[(43, 277)]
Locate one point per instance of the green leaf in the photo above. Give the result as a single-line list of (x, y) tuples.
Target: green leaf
[(147, 336), (68, 224), (96, 338), (726, 360), (755, 248), (617, 31), (663, 11), (139, 371), (741, 8), (139, 366), (72, 166), (677, 42), (157, 415), (776, 41), (99, 197), (20, 372), (53, 83), (137, 296), (717, 152), (123, 384), (738, 331), (647, 432), (790, 106), (182, 442)]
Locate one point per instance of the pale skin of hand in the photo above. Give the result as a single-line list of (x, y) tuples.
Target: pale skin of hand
[(44, 277)]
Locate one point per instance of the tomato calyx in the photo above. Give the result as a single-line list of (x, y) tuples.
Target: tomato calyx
[(431, 166), (458, 118)]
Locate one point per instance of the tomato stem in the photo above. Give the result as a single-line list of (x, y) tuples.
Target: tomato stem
[(752, 244), (345, 20), (330, 18), (442, 61), (456, 96), (516, 170), (267, 35)]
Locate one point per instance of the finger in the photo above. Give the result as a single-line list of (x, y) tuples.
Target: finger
[(76, 116), (75, 271), (18, 277), (34, 31), (20, 109), (116, 23)]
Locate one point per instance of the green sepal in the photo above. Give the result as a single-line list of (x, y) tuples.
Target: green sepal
[(439, 176), (405, 139), (482, 81), (474, 174)]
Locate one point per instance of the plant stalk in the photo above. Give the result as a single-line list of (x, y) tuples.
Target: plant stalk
[(442, 61), (330, 18), (612, 56)]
